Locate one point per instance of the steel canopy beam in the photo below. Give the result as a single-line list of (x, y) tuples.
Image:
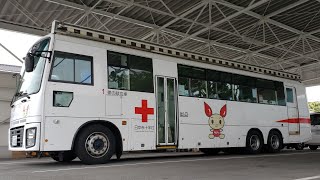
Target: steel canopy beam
[(243, 10), (153, 26), (176, 19), (23, 28), (266, 19), (16, 57)]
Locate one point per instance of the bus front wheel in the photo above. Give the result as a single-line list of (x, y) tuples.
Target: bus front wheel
[(95, 144)]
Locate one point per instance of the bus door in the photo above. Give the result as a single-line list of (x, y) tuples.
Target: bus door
[(166, 96), (293, 114)]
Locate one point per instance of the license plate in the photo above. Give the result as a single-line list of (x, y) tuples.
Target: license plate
[(14, 140)]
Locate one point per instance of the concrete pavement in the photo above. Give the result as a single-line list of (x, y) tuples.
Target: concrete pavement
[(287, 165)]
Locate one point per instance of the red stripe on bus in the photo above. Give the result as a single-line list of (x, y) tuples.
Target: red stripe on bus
[(296, 120)]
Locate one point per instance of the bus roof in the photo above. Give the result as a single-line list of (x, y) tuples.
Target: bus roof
[(81, 32)]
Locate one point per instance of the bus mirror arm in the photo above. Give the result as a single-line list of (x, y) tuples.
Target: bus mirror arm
[(39, 54), (29, 59)]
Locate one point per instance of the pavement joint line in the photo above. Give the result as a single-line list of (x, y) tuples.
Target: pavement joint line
[(309, 178), (163, 162)]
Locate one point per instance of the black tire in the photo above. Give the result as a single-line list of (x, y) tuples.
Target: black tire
[(95, 144), (299, 146), (254, 142), (65, 156), (313, 147), (275, 142), (210, 151)]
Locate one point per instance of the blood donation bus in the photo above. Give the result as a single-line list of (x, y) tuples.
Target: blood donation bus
[(92, 95)]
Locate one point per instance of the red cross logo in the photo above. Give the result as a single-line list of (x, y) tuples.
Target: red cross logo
[(144, 110)]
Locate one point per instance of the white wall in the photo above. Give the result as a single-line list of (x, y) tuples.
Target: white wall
[(7, 89)]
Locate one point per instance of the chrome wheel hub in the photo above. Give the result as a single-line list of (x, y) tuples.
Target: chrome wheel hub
[(275, 142), (97, 144), (254, 142)]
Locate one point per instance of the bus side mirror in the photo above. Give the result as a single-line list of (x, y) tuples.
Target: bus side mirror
[(29, 62)]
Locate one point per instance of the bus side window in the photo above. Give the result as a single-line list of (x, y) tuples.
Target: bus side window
[(72, 68), (129, 72)]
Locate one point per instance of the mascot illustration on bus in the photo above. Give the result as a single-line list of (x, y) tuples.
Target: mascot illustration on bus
[(216, 121)]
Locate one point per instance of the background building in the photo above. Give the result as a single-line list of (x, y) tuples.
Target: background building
[(7, 89)]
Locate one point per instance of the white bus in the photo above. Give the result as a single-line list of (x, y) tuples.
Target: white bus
[(92, 95)]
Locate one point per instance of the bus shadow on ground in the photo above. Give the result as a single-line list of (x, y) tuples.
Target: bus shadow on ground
[(155, 156)]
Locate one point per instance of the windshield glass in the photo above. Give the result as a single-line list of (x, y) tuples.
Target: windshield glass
[(30, 82)]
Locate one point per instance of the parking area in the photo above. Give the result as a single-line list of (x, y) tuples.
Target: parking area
[(289, 164)]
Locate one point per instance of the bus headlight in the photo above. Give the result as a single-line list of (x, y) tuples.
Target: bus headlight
[(31, 137)]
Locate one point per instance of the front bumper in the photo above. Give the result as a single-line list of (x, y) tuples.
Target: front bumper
[(17, 138)]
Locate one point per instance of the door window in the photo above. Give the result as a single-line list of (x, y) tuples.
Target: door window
[(289, 95)]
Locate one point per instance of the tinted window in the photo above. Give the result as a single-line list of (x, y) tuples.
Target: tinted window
[(267, 96), (117, 59), (243, 80), (184, 86), (192, 81), (228, 86), (198, 88), (280, 94), (263, 83), (129, 72), (224, 91), (118, 78), (212, 90), (192, 72), (213, 75), (226, 77), (245, 93)]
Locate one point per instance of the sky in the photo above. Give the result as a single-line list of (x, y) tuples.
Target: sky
[(19, 44)]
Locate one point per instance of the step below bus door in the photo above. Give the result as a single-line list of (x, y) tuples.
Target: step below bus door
[(293, 113), (166, 96)]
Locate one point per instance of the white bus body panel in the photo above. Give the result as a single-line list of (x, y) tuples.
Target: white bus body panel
[(193, 130), (59, 125)]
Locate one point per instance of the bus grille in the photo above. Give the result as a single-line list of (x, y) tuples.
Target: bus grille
[(18, 131)]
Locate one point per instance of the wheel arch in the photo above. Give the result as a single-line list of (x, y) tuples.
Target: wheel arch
[(259, 131), (277, 130), (110, 125)]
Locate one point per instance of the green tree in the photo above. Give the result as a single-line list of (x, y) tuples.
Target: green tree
[(314, 106)]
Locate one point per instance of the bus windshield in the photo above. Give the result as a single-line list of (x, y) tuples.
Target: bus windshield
[(30, 82)]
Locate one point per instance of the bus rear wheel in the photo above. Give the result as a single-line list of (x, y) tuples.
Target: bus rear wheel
[(65, 156), (275, 142), (313, 147), (95, 144), (299, 146), (254, 142)]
